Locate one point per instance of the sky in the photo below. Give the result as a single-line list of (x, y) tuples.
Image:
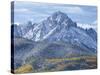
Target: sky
[(37, 12)]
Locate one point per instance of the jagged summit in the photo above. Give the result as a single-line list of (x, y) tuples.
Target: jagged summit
[(59, 13), (59, 16)]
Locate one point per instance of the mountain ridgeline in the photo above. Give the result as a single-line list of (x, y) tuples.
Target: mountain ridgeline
[(55, 37)]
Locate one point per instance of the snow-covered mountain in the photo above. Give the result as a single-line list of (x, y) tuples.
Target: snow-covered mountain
[(88, 26), (55, 37), (55, 23), (59, 27)]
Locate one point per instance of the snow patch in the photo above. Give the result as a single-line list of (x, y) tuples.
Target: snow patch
[(38, 36), (29, 35), (47, 35)]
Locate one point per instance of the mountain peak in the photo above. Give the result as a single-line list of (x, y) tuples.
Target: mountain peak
[(61, 14), (58, 17)]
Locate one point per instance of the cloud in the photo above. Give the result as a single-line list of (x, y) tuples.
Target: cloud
[(21, 10), (38, 11), (74, 10), (95, 22), (64, 8)]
